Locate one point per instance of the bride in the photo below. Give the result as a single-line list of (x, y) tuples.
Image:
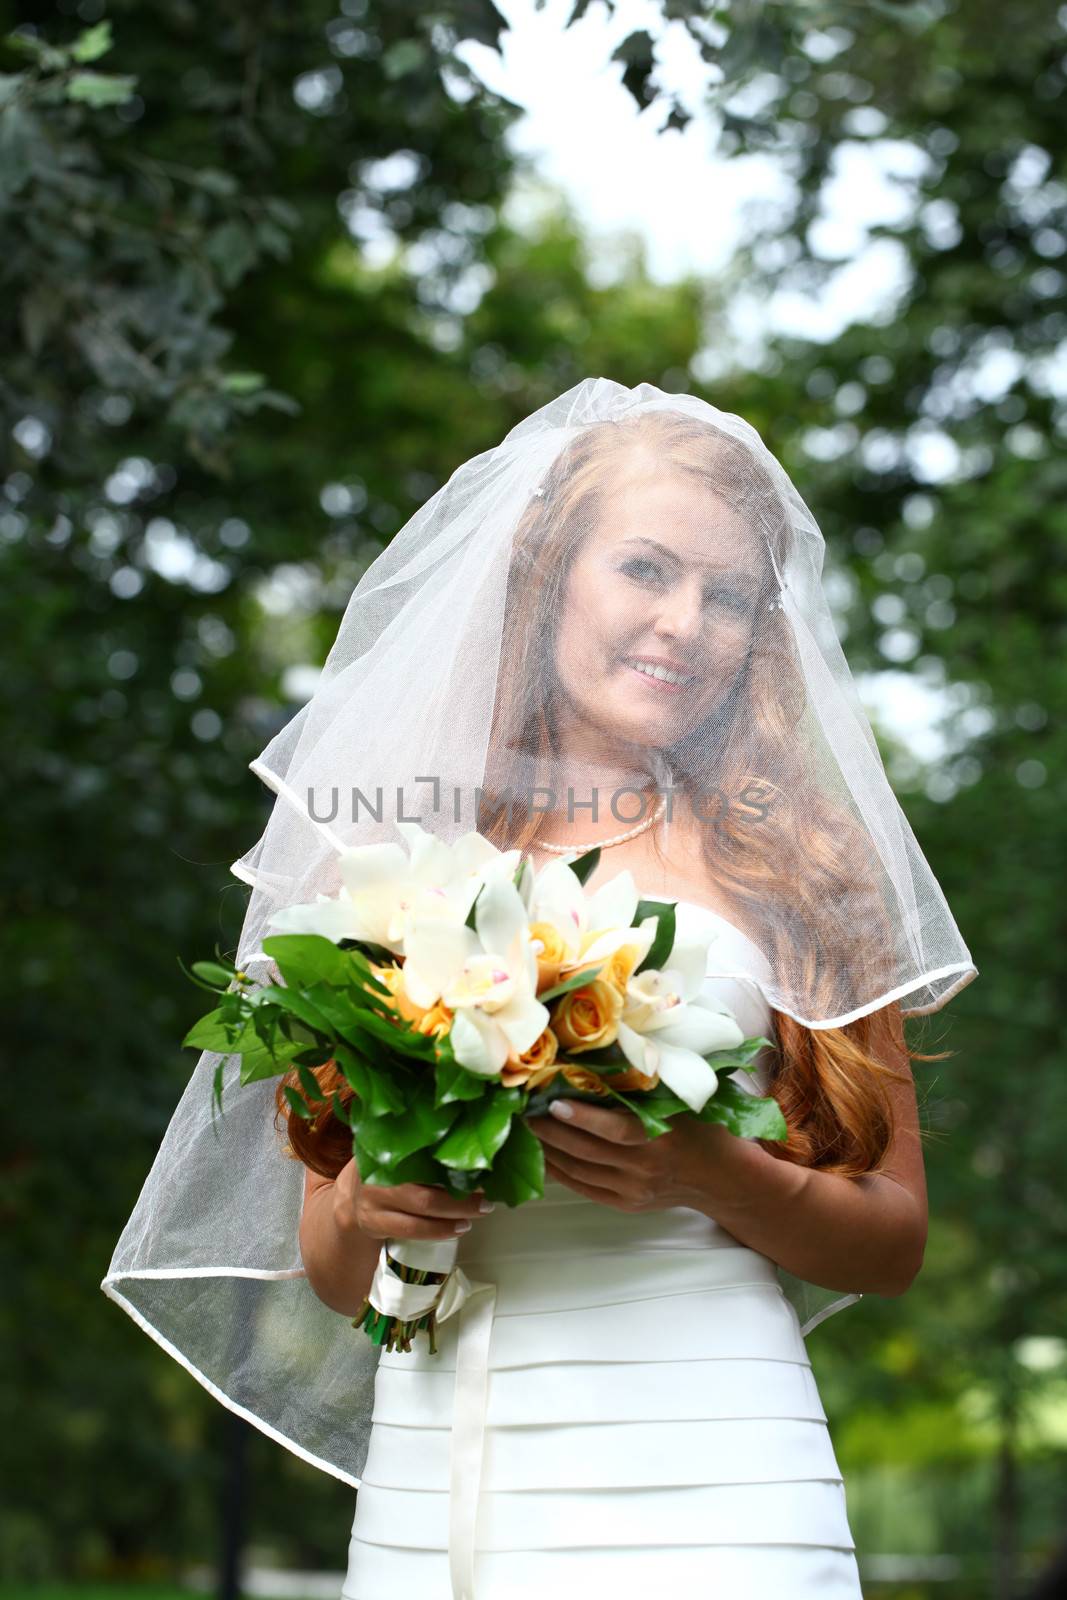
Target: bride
[(651, 1416), (609, 631)]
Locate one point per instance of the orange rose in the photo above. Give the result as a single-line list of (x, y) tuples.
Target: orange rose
[(618, 968), (550, 956), (435, 1019), (633, 1078), (534, 1066), (585, 1081), (587, 1018)]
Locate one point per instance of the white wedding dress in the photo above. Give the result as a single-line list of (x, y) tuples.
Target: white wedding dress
[(652, 1424)]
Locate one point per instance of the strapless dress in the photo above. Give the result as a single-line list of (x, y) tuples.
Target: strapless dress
[(649, 1419)]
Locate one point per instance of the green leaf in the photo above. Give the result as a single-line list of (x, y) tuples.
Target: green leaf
[(353, 1011), (242, 382), (518, 1173), (747, 1115), (214, 975), (232, 248), (93, 43), (368, 1029), (421, 1124), (261, 1062), (311, 1087), (297, 1104), (215, 182), (471, 921), (307, 958), (636, 54), (584, 865), (402, 58), (100, 89), (523, 871), (419, 1167), (575, 981), (480, 1131), (211, 1032), (48, 56), (366, 978), (652, 1121), (338, 1008), (296, 1002), (456, 1083), (662, 945), (377, 1090)]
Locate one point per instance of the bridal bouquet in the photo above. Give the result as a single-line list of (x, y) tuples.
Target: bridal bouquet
[(458, 992)]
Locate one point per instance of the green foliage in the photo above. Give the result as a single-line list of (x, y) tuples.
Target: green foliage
[(211, 398)]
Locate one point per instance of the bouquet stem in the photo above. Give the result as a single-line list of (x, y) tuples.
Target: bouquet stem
[(402, 1299), (396, 1333)]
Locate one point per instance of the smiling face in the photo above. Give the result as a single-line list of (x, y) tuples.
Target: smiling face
[(658, 612)]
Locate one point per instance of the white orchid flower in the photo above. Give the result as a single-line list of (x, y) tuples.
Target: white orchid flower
[(384, 889), (590, 926), (665, 1027), (487, 976)]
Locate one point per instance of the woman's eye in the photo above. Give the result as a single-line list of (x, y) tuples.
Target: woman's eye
[(631, 568), (644, 571), (731, 597)]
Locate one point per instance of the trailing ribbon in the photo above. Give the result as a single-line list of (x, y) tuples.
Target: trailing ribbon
[(406, 1302)]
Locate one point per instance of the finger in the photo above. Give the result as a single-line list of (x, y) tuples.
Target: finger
[(602, 1177), (620, 1127), (605, 1197), (577, 1142), (404, 1225), (431, 1200)]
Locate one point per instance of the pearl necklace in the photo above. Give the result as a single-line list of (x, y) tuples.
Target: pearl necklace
[(602, 844)]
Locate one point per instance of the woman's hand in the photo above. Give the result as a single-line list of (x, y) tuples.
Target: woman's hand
[(606, 1155), (404, 1211)]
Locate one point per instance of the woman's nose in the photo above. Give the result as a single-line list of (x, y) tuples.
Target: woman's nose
[(680, 612)]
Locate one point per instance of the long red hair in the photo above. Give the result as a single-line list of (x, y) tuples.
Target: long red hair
[(785, 880)]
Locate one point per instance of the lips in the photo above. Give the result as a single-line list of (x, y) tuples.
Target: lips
[(661, 674)]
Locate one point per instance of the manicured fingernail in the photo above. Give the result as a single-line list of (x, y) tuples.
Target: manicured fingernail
[(461, 1227), (560, 1108), (485, 1206)]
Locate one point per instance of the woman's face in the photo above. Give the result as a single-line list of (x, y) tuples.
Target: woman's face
[(658, 611)]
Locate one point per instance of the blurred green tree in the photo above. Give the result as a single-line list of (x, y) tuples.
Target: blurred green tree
[(217, 408), (933, 429)]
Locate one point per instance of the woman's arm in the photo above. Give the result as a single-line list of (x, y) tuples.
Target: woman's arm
[(339, 1261), (859, 1235), (862, 1235)]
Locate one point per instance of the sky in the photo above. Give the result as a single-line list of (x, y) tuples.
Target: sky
[(587, 138)]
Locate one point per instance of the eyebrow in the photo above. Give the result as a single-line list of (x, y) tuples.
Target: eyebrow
[(737, 572)]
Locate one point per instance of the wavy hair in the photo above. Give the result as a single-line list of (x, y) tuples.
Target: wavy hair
[(783, 853)]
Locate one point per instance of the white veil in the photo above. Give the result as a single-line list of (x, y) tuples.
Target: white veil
[(499, 656)]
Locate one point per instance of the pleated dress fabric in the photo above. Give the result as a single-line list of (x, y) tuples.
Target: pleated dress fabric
[(652, 1421)]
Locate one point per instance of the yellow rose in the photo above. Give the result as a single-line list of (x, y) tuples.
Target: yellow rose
[(535, 1065), (436, 1019), (550, 956), (587, 1018), (633, 1078), (585, 1081), (618, 968)]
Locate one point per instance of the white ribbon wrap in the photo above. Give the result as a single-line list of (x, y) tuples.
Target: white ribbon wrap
[(475, 1302)]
